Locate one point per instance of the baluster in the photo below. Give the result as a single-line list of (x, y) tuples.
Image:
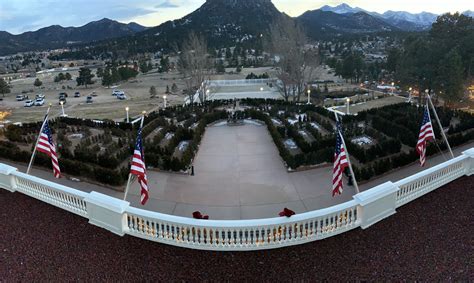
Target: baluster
[(265, 235), (318, 226), (219, 236)]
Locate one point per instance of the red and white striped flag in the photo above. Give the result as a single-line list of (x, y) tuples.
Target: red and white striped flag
[(340, 162), (426, 134), (138, 168), (45, 144)]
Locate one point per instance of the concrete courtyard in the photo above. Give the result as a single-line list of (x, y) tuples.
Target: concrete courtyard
[(239, 175)]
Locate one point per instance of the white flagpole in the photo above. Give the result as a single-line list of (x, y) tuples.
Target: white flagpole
[(348, 158), (37, 141), (130, 181), (440, 126)]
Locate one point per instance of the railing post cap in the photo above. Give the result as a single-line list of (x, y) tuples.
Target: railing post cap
[(108, 202), (375, 193), (469, 152), (7, 169)]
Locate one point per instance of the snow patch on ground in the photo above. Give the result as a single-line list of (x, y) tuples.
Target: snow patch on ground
[(221, 123), (183, 145), (290, 143), (252, 122), (363, 140), (276, 121), (169, 136), (315, 125), (292, 121)]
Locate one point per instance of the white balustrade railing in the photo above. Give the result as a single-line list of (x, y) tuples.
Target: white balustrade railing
[(117, 216), (428, 180), (61, 196), (242, 234)]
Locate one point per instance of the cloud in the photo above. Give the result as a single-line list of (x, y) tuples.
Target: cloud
[(167, 4)]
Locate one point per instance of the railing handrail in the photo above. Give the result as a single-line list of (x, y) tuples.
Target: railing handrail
[(428, 171), (242, 223), (55, 186)]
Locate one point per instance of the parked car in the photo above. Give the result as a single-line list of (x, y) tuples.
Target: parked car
[(39, 95), (21, 97), (122, 96), (63, 100), (89, 99), (29, 103), (62, 94), (117, 92), (77, 94), (39, 101)]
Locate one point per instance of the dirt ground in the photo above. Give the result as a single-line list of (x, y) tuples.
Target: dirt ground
[(106, 106)]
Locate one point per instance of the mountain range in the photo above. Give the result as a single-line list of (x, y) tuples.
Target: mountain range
[(402, 20), (222, 22), (57, 36)]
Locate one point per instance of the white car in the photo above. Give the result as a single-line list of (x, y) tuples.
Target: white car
[(121, 96), (39, 102), (21, 97), (29, 103), (117, 92), (40, 96)]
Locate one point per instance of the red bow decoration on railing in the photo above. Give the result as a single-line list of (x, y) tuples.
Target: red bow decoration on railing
[(286, 212), (198, 215)]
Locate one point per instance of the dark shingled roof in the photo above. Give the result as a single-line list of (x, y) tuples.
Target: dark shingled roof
[(429, 239)]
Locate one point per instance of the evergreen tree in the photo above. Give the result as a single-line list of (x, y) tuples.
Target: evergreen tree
[(68, 77), (452, 77), (164, 64), (100, 72), (85, 77), (220, 69), (106, 78), (4, 87), (174, 88), (153, 92), (38, 83)]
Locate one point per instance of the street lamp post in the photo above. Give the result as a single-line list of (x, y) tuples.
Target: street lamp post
[(128, 117), (62, 107), (409, 94), (393, 87), (164, 101), (309, 96), (348, 100), (207, 95)]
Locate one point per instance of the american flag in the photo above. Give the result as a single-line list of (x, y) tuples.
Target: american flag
[(426, 134), (46, 145), (340, 162), (138, 168)]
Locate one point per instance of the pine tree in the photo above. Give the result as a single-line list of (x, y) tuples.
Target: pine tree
[(38, 83), (153, 92), (453, 77), (85, 77), (4, 87), (174, 88)]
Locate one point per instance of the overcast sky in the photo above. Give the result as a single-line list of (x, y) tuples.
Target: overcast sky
[(18, 16)]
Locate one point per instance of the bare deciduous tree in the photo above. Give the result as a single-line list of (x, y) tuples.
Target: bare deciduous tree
[(296, 62), (194, 64)]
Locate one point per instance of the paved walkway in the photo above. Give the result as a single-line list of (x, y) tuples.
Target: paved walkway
[(240, 175)]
